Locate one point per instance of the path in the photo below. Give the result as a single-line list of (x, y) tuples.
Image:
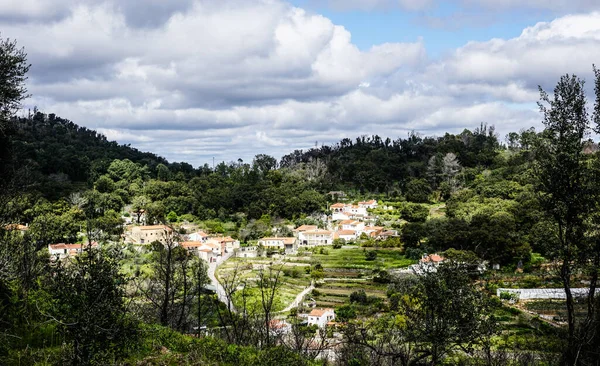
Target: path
[(213, 279), (298, 298)]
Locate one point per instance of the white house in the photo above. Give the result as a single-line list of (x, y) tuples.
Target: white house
[(200, 236), (148, 234), (247, 252), (321, 317), (342, 211), (347, 235), (372, 231), (353, 225), (202, 250), (289, 244), (216, 246), (303, 228), (368, 204), (315, 237), (228, 244), (67, 250), (428, 263)]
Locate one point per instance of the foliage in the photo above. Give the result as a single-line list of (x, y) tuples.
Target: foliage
[(90, 307)]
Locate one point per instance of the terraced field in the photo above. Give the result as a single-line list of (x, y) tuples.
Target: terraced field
[(345, 271)]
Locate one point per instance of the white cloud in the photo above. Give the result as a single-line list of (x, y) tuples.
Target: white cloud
[(235, 78)]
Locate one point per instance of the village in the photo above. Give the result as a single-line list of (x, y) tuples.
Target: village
[(310, 299)]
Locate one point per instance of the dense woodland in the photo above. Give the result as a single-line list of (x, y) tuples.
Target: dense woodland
[(507, 201)]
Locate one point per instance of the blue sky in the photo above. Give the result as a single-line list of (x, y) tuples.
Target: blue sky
[(196, 79), (443, 27)]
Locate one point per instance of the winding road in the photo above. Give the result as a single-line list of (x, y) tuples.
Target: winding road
[(212, 267)]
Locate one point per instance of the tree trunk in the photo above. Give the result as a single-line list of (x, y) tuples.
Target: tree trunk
[(164, 311)]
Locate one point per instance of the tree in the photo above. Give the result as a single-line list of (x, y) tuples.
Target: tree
[(90, 306), (104, 184), (13, 70), (418, 190), (437, 314), (561, 181), (169, 286), (139, 206), (268, 283)]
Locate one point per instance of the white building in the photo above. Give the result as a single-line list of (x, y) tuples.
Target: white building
[(289, 244), (228, 244), (347, 235), (247, 252), (368, 204), (320, 317), (202, 250), (315, 237), (148, 234), (200, 236), (342, 211), (67, 250), (353, 225)]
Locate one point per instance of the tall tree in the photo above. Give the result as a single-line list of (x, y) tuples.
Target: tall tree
[(561, 181)]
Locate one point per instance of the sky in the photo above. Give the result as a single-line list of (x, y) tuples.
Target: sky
[(195, 79)]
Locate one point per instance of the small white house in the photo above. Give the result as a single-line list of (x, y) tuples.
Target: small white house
[(200, 236), (353, 225), (347, 235), (368, 204), (67, 250), (202, 250), (228, 243), (289, 244), (321, 317), (315, 238)]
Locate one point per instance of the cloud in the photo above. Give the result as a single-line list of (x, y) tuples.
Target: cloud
[(235, 78)]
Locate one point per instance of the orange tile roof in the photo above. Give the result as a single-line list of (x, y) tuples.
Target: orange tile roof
[(347, 232), (324, 232), (435, 258), (70, 246), (306, 227), (191, 244), (155, 227), (338, 205), (16, 227), (319, 312), (370, 202)]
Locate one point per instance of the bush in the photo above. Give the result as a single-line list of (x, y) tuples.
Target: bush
[(505, 295), (345, 313), (413, 253), (382, 276), (359, 297), (337, 243), (370, 255)]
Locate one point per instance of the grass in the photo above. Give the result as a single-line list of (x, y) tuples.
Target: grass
[(354, 258)]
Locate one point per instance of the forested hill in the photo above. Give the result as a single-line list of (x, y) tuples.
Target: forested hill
[(62, 150), (61, 158), (371, 164), (52, 145)]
